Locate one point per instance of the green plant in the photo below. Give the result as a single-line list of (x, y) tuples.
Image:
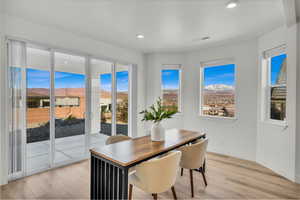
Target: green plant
[(157, 112), (70, 117)]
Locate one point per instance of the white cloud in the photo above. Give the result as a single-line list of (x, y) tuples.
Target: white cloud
[(219, 87)]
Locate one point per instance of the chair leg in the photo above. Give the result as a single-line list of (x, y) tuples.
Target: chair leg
[(154, 196), (192, 182), (181, 171), (130, 191), (174, 193), (204, 166), (204, 178)]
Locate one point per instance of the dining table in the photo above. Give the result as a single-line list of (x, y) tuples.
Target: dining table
[(110, 164)]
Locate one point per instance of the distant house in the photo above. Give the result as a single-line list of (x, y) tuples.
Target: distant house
[(278, 95)]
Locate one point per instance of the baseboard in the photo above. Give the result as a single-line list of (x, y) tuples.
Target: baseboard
[(3, 181), (297, 178), (231, 155), (277, 171)]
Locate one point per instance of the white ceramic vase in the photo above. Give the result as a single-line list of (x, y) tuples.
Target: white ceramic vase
[(157, 132)]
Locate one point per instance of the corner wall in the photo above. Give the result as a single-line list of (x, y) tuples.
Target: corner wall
[(248, 136), (275, 143), (232, 137)]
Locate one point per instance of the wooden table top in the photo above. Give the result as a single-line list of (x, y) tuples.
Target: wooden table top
[(128, 152)]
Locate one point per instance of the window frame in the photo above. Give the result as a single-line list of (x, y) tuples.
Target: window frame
[(173, 67), (215, 63), (267, 65)]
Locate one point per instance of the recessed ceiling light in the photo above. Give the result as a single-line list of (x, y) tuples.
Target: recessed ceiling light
[(205, 38), (232, 4), (140, 36)]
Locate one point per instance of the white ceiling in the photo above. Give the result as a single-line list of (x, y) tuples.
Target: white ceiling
[(166, 24)]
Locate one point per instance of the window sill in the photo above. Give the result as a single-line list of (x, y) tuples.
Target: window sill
[(218, 118), (276, 123)]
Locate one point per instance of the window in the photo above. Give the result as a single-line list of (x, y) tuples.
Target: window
[(276, 61), (217, 89), (170, 86)]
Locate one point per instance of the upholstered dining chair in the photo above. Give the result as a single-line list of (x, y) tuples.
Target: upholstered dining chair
[(116, 138), (156, 175), (193, 157)]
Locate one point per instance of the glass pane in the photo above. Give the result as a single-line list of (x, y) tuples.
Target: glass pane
[(106, 103), (15, 121), (38, 109), (122, 77), (101, 100), (278, 70), (278, 103), (170, 88), (16, 111), (219, 91), (69, 107)]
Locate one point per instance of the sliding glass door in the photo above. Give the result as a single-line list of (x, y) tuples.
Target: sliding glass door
[(60, 105), (69, 87), (38, 109), (122, 89), (101, 101)]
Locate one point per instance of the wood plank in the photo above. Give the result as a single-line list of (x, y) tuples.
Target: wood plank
[(228, 178), (128, 152)]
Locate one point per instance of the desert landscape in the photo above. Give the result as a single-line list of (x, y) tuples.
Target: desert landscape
[(70, 113), (219, 101)]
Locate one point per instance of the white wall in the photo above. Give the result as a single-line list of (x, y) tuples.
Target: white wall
[(247, 137), (275, 143), (298, 111), (19, 28), (231, 137), (154, 63)]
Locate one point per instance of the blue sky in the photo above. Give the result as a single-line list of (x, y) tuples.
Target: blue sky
[(223, 74), (170, 79), (41, 79), (276, 63), (69, 80), (38, 78), (122, 81)]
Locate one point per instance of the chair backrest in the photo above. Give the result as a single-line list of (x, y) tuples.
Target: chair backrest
[(116, 138), (193, 155), (159, 174)]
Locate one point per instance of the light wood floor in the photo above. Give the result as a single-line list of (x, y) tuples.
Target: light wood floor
[(228, 178)]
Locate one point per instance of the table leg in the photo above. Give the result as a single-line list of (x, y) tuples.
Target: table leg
[(108, 181)]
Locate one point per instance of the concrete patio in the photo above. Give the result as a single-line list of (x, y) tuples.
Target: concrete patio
[(66, 149)]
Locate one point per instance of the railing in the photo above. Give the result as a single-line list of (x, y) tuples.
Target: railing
[(42, 133)]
